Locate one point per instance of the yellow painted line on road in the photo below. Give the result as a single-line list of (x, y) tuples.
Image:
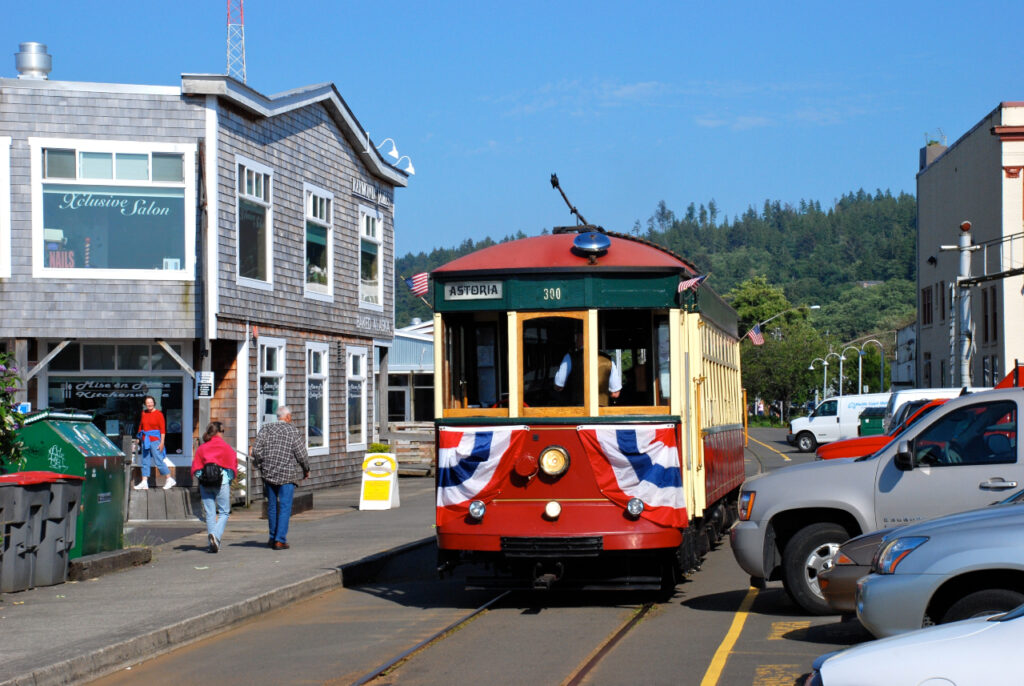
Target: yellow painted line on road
[(779, 630), (784, 455), (777, 675), (722, 654)]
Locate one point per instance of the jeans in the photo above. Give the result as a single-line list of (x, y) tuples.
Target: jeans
[(217, 506), (279, 509), (149, 451)]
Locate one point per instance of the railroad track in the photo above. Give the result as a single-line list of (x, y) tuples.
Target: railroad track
[(379, 676)]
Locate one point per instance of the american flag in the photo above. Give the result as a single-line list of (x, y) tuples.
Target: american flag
[(418, 284), (691, 283), (755, 335)]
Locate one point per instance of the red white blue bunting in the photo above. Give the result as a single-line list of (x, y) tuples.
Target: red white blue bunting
[(471, 465), (642, 462)]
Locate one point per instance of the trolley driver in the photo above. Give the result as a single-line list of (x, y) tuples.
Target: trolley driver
[(609, 379)]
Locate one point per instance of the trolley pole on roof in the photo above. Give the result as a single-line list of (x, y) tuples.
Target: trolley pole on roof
[(572, 209)]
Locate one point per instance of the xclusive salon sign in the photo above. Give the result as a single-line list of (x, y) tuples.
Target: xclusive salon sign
[(113, 227)]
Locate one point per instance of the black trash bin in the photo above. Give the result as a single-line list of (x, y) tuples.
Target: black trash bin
[(36, 511)]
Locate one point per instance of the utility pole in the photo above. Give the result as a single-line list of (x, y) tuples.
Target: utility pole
[(964, 338)]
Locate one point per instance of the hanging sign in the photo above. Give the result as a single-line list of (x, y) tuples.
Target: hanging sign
[(380, 482), (204, 385)]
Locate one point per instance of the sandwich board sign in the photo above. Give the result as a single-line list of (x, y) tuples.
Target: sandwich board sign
[(379, 489)]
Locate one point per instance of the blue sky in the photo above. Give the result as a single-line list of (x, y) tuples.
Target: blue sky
[(630, 103)]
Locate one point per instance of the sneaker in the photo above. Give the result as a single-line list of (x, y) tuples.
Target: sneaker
[(214, 543), (142, 485), (169, 483)]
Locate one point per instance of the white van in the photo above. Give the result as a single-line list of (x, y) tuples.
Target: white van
[(900, 397), (835, 419)]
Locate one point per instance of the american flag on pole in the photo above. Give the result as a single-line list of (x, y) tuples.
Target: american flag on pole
[(756, 337), (693, 283), (418, 284)]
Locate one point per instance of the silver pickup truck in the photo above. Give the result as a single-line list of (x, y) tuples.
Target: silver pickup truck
[(965, 455)]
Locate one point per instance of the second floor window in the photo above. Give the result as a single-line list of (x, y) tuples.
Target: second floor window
[(255, 228), (371, 277), (113, 209), (319, 257)]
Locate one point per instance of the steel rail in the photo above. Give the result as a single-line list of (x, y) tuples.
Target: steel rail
[(577, 677), (378, 671)]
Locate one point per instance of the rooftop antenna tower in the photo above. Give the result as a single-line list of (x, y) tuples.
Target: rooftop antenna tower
[(236, 39)]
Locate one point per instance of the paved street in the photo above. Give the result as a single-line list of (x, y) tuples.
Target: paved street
[(697, 637)]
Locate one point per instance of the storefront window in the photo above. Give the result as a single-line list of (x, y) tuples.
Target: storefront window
[(316, 395), (356, 431), (105, 212), (271, 379), (116, 402)]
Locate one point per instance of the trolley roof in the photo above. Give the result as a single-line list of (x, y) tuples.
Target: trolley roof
[(555, 252)]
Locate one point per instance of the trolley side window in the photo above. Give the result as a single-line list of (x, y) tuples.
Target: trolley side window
[(475, 361), (636, 341)]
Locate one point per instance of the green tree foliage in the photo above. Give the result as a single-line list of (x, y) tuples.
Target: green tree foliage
[(10, 419)]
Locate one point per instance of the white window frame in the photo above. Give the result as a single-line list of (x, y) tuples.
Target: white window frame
[(309, 193), (5, 207), (366, 211), (280, 345), (79, 145), (259, 168), (364, 377), (323, 349)]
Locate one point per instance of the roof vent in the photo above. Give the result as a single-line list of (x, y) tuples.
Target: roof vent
[(33, 62)]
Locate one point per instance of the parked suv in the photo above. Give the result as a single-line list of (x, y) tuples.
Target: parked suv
[(964, 455)]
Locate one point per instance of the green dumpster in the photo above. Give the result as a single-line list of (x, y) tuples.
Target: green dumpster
[(871, 421), (69, 443)]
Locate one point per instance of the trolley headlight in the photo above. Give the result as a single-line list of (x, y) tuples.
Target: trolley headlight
[(635, 507), (477, 509), (746, 504), (554, 461)]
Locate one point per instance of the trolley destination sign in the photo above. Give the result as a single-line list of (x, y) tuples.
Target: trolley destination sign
[(473, 290)]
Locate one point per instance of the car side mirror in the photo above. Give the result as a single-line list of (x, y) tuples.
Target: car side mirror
[(904, 457)]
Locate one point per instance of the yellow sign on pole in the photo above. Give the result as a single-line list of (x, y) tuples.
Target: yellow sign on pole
[(380, 482)]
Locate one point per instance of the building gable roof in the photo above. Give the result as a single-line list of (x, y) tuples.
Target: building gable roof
[(244, 97)]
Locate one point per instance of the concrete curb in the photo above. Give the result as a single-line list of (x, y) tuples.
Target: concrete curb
[(120, 655)]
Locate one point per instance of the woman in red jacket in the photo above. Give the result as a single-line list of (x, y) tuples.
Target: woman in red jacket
[(216, 499)]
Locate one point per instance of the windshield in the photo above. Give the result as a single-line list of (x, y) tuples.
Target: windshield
[(896, 437)]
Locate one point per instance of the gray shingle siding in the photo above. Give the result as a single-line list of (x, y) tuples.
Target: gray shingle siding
[(51, 307), (301, 146)]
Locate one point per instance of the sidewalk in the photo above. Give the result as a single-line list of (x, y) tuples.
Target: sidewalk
[(61, 634)]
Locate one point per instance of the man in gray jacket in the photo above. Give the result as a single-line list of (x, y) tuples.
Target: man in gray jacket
[(280, 455)]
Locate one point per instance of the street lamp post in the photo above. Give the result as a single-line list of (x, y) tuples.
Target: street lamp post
[(824, 373), (840, 369), (881, 356), (841, 359)]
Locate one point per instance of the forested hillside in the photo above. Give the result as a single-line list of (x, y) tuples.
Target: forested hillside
[(817, 256)]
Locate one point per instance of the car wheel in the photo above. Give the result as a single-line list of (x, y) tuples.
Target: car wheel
[(805, 442), (804, 557), (980, 603)]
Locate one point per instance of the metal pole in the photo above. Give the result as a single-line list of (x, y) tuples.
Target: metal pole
[(841, 358), (824, 378), (860, 371), (965, 305)]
